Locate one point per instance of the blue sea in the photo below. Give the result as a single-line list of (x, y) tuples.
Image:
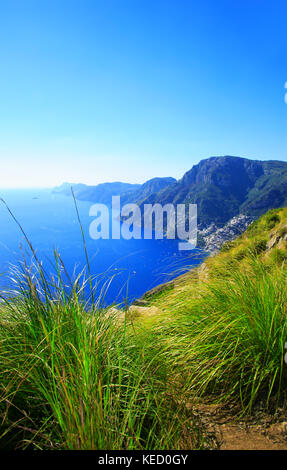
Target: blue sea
[(50, 222)]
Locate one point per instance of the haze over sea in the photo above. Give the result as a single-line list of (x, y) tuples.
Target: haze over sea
[(50, 222)]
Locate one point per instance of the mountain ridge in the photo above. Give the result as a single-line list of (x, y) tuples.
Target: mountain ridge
[(229, 191), (224, 187), (103, 192)]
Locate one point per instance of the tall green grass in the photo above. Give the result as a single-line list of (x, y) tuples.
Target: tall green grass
[(227, 336), (75, 375), (72, 376)]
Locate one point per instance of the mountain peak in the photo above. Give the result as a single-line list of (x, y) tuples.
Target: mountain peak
[(226, 186)]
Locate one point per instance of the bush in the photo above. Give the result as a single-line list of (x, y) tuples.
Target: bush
[(258, 246), (272, 219)]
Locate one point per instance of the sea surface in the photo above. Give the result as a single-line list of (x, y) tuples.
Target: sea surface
[(50, 222)]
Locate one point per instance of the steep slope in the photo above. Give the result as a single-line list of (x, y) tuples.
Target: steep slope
[(264, 239), (222, 326), (148, 188), (224, 187)]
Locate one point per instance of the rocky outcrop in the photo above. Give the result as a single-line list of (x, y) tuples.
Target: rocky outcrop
[(278, 239), (133, 312)]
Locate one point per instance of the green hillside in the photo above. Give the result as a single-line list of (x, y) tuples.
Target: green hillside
[(74, 376), (223, 325)]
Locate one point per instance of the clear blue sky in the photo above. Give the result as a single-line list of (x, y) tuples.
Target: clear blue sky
[(94, 91)]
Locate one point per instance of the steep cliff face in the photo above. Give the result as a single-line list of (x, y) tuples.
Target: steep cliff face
[(233, 174), (145, 190), (225, 187)]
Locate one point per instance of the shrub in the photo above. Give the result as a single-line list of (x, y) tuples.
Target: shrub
[(272, 219), (258, 246)]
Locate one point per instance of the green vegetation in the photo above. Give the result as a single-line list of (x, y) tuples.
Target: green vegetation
[(225, 327), (228, 339), (74, 375)]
